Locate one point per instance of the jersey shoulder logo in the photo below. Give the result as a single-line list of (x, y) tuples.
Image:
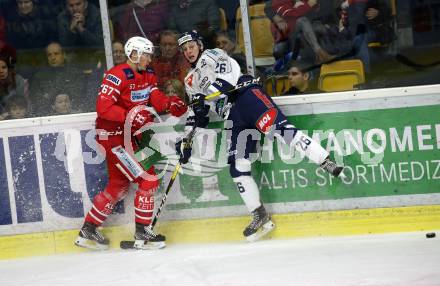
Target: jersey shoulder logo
[(267, 120), (128, 73), (149, 70), (114, 79)]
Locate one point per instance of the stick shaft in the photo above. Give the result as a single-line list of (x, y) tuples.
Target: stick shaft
[(165, 196), (170, 184)]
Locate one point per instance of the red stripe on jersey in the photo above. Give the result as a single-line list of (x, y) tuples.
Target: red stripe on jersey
[(262, 97)]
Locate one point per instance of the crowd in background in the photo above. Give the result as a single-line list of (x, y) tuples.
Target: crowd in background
[(52, 51)]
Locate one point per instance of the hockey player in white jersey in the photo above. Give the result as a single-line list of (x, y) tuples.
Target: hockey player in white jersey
[(246, 107)]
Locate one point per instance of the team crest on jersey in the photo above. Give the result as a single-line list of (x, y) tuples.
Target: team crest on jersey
[(140, 95), (128, 73), (114, 79), (189, 80), (266, 121)]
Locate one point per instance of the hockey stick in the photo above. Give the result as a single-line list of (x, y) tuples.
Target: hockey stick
[(172, 179), (218, 93), (129, 244), (408, 62)]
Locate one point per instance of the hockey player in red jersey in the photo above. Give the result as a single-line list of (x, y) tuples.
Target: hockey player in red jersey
[(128, 92)]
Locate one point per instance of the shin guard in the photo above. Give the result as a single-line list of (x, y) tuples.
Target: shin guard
[(249, 192), (103, 205), (144, 200)]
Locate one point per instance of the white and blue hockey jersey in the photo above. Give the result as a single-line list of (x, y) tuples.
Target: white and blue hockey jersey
[(213, 69)]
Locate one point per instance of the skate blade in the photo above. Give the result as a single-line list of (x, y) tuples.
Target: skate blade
[(148, 245), (342, 175), (90, 244), (262, 231)]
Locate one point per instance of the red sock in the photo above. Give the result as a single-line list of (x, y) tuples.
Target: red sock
[(144, 206), (103, 205)]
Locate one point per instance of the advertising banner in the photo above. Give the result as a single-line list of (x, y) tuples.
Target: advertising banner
[(50, 169)]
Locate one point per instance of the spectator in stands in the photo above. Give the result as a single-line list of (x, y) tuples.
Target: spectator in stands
[(93, 78), (17, 107), (355, 23), (363, 22), (119, 56), (58, 77), (61, 104), (380, 30), (230, 8), (142, 17), (8, 51), (52, 8), (290, 20), (28, 27), (79, 25), (175, 87), (300, 79), (170, 63), (226, 42), (11, 83), (200, 15), (379, 25)]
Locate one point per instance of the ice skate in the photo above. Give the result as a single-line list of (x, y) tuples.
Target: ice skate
[(90, 237), (146, 238), (332, 168), (260, 226)]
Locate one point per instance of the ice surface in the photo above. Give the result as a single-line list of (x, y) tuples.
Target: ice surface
[(370, 260)]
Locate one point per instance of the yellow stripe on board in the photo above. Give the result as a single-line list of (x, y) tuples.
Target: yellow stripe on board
[(293, 225)]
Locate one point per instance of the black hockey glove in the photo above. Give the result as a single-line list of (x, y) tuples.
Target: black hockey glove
[(199, 107), (195, 121), (201, 111), (183, 148)]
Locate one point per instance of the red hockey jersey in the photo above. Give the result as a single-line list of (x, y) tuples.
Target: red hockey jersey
[(123, 88)]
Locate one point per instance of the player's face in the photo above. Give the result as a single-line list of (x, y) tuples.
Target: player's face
[(143, 59), (191, 51), (3, 70)]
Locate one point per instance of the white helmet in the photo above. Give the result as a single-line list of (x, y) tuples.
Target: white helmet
[(139, 44)]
